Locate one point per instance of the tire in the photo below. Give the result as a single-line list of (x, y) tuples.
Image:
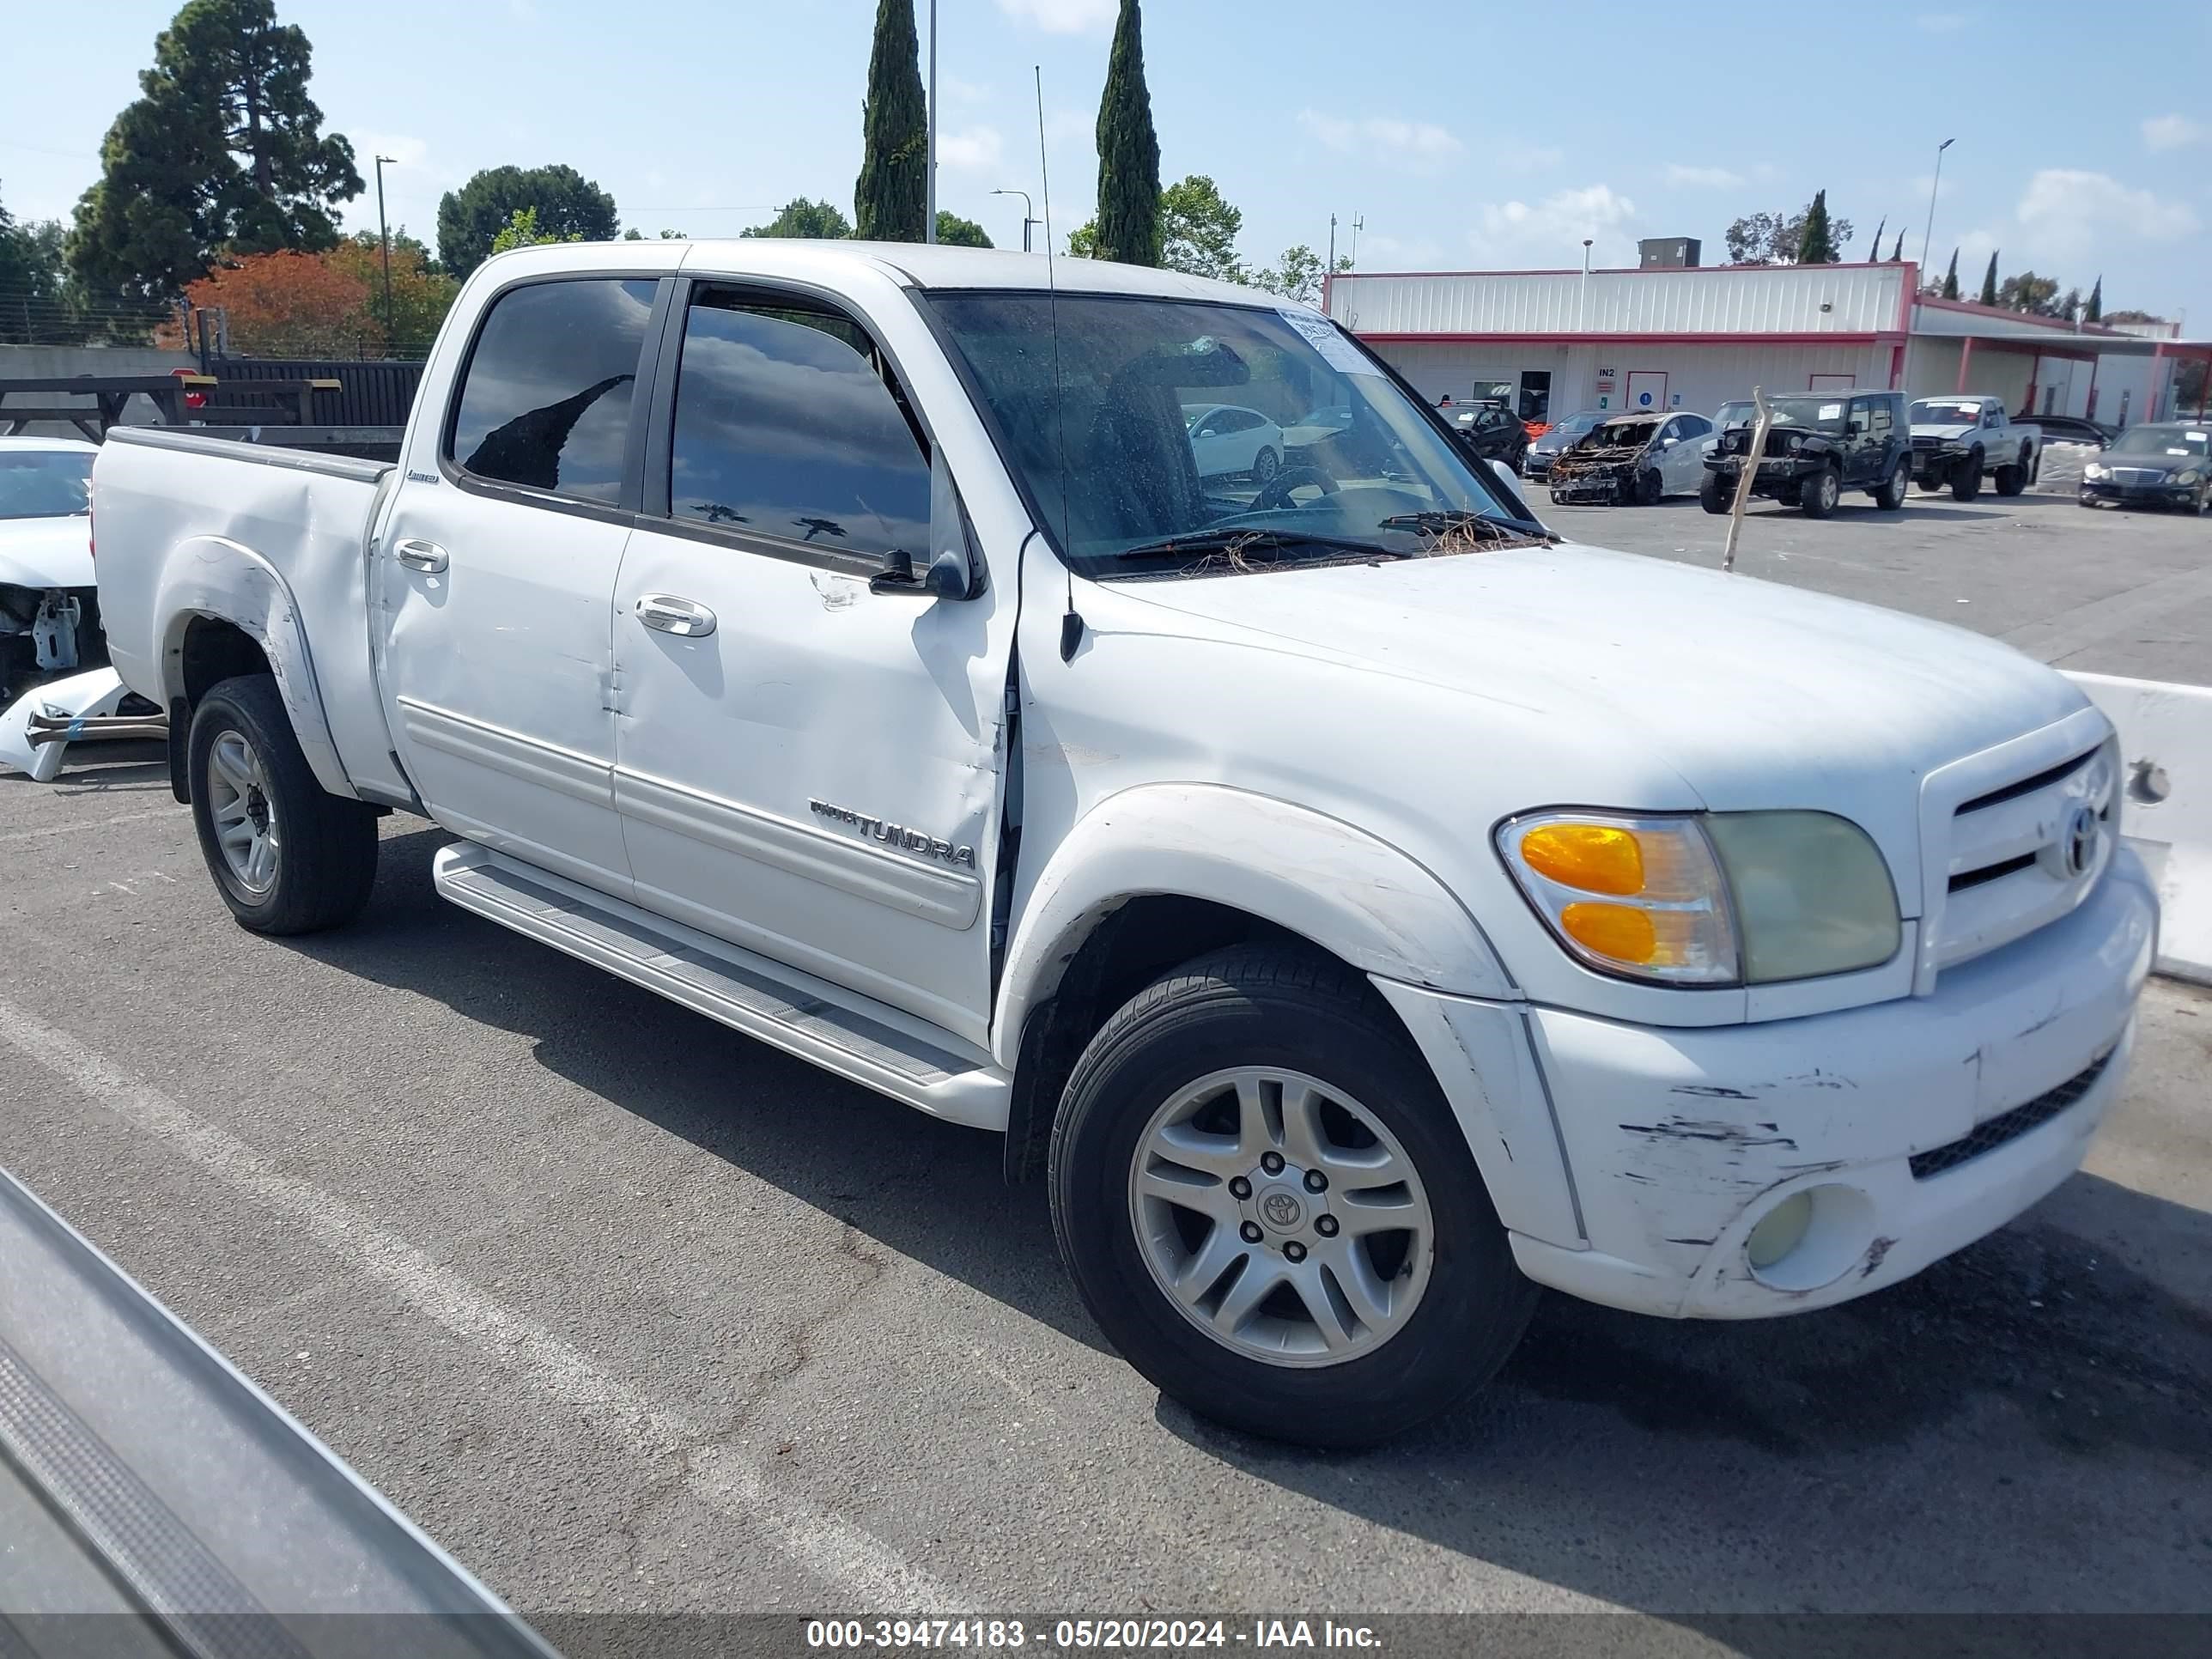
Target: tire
[(1817, 495), (1930, 486), (1651, 489), (1289, 1010), (1265, 466), (1889, 496), (320, 848), (2011, 480), (1711, 495), (1967, 481)]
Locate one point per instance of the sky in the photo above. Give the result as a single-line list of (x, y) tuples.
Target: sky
[(1458, 136)]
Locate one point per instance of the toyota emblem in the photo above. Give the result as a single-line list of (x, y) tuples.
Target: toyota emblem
[(1283, 1211), (2083, 833)]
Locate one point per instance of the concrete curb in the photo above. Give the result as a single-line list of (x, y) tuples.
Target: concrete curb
[(2165, 814)]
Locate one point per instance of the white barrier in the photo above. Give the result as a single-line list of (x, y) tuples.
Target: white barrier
[(2166, 747)]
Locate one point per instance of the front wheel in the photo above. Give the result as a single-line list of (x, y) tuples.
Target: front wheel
[(1649, 488), (287, 857), (1819, 494), (1712, 494), (1967, 479), (1268, 1207)]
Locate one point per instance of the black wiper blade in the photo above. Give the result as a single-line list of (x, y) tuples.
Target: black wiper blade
[(1199, 544)]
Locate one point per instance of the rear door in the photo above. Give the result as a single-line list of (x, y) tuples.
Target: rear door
[(496, 567), (805, 767)]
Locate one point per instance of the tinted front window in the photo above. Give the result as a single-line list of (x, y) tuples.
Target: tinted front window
[(785, 426), (547, 398), (45, 483)]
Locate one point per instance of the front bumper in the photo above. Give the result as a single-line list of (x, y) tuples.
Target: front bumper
[(1677, 1142), (1598, 487), (2138, 494)]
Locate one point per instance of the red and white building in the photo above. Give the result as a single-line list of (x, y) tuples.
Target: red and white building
[(1552, 342)]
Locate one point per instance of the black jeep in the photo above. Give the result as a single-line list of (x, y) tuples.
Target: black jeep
[(1820, 446)]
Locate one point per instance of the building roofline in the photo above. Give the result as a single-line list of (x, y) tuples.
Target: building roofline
[(1638, 270)]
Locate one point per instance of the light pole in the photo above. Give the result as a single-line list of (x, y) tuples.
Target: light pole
[(1932, 184), (1026, 209), (384, 247), (1582, 293), (929, 229)]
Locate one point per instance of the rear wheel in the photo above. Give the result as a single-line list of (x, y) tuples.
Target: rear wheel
[(1270, 1210), (1712, 494), (1265, 466), (1890, 496), (1966, 478), (287, 856), (1819, 494), (2011, 480)]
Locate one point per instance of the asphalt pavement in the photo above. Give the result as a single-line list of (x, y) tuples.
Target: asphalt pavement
[(635, 1316)]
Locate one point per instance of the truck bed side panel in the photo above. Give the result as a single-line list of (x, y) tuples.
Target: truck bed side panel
[(271, 539)]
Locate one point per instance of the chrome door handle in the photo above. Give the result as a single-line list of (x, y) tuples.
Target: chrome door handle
[(671, 615), (420, 555)]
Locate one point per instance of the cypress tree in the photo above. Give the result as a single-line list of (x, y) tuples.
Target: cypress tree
[(1990, 280), (2095, 311), (1816, 243), (1951, 277), (1128, 151), (1897, 253), (1877, 235), (891, 202)]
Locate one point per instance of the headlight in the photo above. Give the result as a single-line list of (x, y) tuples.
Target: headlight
[(1723, 898), (2188, 477), (1793, 444), (2094, 471)]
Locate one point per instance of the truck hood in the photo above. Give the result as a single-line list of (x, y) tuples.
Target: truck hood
[(1946, 432), (47, 552), (1753, 695)]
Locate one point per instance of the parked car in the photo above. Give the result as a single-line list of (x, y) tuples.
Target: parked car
[(915, 709), (1490, 430), (1634, 458), (1536, 463), (2072, 429), (1227, 440), (49, 611), (1819, 445), (2158, 464), (1957, 442)]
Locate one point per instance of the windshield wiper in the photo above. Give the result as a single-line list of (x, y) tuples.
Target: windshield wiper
[(1443, 521), (1235, 546)]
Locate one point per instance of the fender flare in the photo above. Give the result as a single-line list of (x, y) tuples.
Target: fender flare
[(1346, 891), (226, 581)]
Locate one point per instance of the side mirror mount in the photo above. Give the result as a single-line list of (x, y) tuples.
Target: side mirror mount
[(1507, 476), (1668, 443), (1852, 428), (953, 571)]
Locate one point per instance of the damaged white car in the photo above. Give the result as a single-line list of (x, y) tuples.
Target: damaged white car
[(49, 610)]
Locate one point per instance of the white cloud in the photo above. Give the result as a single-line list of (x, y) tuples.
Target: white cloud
[(957, 91), (1379, 251), (1704, 177), (2173, 132), (1063, 16), (1384, 134), (2066, 211), (973, 148), (1941, 22), (1553, 230)]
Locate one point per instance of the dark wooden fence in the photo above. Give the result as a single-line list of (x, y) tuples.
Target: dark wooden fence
[(369, 393)]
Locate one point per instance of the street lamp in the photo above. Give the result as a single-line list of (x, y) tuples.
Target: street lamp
[(1932, 183), (384, 245), (1026, 220), (1582, 293)]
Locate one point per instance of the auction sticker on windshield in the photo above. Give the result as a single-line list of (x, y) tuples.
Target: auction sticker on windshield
[(1831, 411), (1326, 338)]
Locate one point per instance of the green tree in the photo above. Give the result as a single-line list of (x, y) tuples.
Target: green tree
[(1199, 230), (1083, 240), (813, 221), (1990, 280), (1897, 253), (634, 234), (35, 295), (1128, 151), (565, 205), (223, 151), (2095, 312), (1768, 239), (1816, 240), (891, 201), (1951, 277), (1297, 274), (523, 230), (421, 294), (953, 231)]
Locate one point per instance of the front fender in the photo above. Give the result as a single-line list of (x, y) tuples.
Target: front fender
[(1321, 879), (224, 581)]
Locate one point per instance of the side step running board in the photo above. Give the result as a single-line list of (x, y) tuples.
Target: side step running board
[(870, 1044)]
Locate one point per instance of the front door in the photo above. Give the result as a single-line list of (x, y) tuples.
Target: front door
[(493, 571), (1866, 453), (805, 767)]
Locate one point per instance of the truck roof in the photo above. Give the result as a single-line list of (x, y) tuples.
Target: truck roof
[(911, 265)]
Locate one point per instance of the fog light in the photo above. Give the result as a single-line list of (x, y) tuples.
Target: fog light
[(1780, 1231)]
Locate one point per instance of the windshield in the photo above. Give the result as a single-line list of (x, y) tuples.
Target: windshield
[(1742, 413), (2169, 442), (1821, 414), (45, 483), (1107, 456), (1937, 412)]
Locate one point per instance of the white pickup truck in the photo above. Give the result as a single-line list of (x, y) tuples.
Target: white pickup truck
[(1958, 441), (1364, 906)]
